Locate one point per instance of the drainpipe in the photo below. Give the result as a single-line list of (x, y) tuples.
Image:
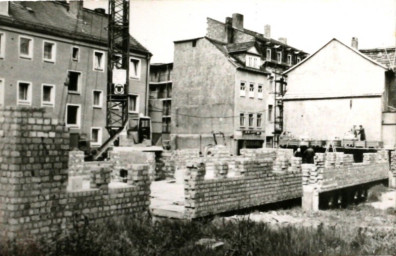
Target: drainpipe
[(146, 113)]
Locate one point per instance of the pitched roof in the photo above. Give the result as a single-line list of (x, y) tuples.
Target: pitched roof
[(334, 39), (385, 56), (53, 18)]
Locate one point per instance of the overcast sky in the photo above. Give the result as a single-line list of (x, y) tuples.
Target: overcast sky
[(307, 24)]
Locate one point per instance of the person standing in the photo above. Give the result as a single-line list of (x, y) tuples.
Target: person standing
[(309, 154), (362, 133)]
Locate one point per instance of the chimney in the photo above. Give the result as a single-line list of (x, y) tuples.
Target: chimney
[(267, 31), (283, 40), (100, 10), (4, 8), (355, 43), (75, 6), (229, 30), (237, 20)]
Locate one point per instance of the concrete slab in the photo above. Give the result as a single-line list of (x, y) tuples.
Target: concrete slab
[(167, 199)]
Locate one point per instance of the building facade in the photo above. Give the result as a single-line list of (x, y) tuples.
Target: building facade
[(160, 102), (338, 87), (54, 55), (224, 83)]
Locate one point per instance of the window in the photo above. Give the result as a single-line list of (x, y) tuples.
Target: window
[(166, 124), (242, 119), (133, 104), (74, 81), (250, 120), (47, 95), (75, 53), (242, 89), (260, 92), (25, 47), (268, 54), (97, 99), (279, 57), (73, 115), (2, 45), (134, 68), (289, 59), (270, 109), (258, 120), (98, 61), (24, 92), (298, 59), (49, 51), (251, 90), (96, 136), (252, 61), (166, 108)]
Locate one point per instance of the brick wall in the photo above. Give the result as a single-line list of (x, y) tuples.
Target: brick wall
[(34, 160), (253, 182), (333, 171)]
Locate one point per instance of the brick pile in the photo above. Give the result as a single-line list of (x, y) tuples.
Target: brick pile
[(34, 176)]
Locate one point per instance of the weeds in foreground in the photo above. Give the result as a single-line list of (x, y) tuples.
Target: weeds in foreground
[(128, 236)]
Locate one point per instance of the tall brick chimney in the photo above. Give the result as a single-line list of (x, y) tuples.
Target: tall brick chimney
[(75, 7), (267, 31), (283, 40), (237, 20), (4, 8), (355, 43)]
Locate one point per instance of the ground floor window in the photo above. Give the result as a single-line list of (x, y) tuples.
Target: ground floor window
[(96, 136)]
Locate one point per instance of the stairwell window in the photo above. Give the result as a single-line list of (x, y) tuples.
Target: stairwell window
[(74, 81), (98, 60), (134, 68), (289, 59), (96, 136), (242, 119), (279, 57), (73, 115), (251, 90), (25, 47), (133, 104), (97, 99), (49, 51), (258, 120), (2, 44), (242, 89), (24, 91), (260, 92), (47, 95)]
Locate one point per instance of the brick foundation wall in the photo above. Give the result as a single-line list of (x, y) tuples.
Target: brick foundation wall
[(253, 182), (34, 200)]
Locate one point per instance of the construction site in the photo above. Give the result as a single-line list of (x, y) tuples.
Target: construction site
[(186, 143)]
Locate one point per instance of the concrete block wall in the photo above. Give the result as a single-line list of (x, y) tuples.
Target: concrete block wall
[(34, 176), (254, 183)]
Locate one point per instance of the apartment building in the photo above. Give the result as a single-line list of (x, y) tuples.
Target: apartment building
[(54, 55)]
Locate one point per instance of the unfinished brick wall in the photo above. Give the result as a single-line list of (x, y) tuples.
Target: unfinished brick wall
[(254, 182), (34, 176)]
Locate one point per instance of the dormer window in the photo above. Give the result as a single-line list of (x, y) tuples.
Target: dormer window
[(268, 54), (279, 57), (298, 59), (289, 59), (252, 61)]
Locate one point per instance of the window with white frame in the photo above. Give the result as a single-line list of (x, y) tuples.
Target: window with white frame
[(73, 115), (25, 47), (270, 109), (279, 57), (242, 89), (260, 91), (252, 61), (258, 120), (2, 44), (298, 59), (75, 53), (289, 59), (242, 119), (24, 91), (74, 81), (47, 95), (251, 119), (96, 136), (134, 68), (97, 100), (98, 60), (49, 51), (251, 90), (268, 54), (133, 103)]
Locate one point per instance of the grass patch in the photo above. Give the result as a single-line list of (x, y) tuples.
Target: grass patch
[(127, 236)]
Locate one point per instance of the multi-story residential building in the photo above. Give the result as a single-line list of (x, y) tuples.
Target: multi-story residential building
[(222, 83), (338, 87), (160, 102), (54, 55)]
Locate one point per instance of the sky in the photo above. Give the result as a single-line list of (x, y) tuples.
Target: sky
[(307, 24)]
